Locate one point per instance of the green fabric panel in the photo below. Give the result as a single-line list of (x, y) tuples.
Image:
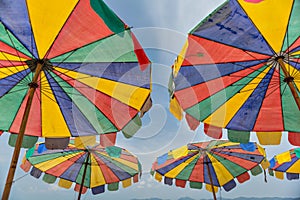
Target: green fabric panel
[(11, 102), (239, 136), (151, 172), (87, 179), (233, 168), (113, 151), (171, 85), (140, 166), (256, 170), (293, 27), (49, 178), (28, 141), (99, 121), (205, 108), (196, 185), (39, 158), (108, 16), (132, 127), (30, 152), (113, 186), (115, 48), (297, 152), (289, 106), (9, 39), (186, 172), (271, 172)]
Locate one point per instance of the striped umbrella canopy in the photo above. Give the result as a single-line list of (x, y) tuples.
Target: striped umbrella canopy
[(286, 163), (95, 167), (216, 163), (239, 70), (67, 70)]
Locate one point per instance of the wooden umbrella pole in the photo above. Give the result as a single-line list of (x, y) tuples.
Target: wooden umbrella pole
[(289, 81), (83, 176), (210, 178), (9, 180)]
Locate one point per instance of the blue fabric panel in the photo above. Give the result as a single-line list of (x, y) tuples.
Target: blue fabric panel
[(193, 75), (292, 176), (98, 190), (9, 82), (229, 186), (78, 125), (212, 172), (231, 25), (169, 167), (125, 72), (41, 148), (248, 147), (162, 159), (35, 172), (272, 163), (253, 158), (168, 181), (285, 166), (14, 16), (245, 118), (72, 172), (295, 64)]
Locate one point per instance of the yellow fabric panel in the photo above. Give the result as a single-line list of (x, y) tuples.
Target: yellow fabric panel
[(222, 173), (84, 141), (7, 71), (269, 138), (182, 151), (226, 144), (265, 164), (175, 109), (222, 116), (7, 56), (127, 163), (56, 126), (97, 177), (175, 171), (270, 16), (158, 177), (44, 13), (180, 59), (209, 188), (261, 150), (126, 183), (279, 175), (295, 168), (128, 94), (64, 183), (283, 157), (44, 166)]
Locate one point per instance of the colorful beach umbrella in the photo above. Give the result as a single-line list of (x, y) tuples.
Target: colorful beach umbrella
[(287, 162), (96, 167), (68, 69), (239, 70), (216, 163)]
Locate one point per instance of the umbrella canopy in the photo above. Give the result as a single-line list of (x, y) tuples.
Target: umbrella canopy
[(215, 163), (287, 162), (95, 167), (68, 69), (239, 70)]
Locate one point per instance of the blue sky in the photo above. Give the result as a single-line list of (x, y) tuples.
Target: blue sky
[(161, 26)]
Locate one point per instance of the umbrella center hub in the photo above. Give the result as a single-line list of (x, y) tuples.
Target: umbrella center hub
[(46, 64)]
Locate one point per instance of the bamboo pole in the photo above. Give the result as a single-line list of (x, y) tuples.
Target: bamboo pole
[(9, 180), (83, 176), (289, 81), (210, 178)]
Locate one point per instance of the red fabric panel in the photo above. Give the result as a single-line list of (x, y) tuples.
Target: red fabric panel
[(117, 112), (213, 52), (77, 189), (270, 119), (213, 131), (129, 158), (192, 122), (139, 52), (108, 175), (1, 132), (108, 139), (136, 178), (59, 169), (180, 183), (5, 63), (197, 173), (84, 26), (243, 177), (294, 138), (33, 127), (192, 95), (8, 49), (294, 45), (26, 166)]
